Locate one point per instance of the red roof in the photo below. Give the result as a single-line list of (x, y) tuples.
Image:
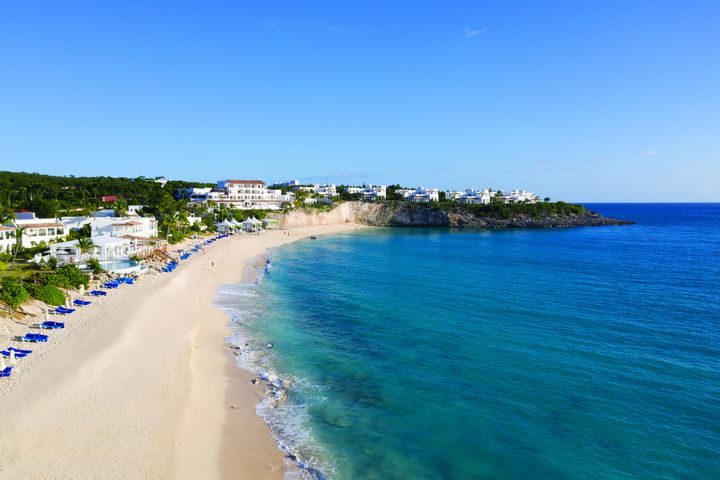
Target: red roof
[(246, 181), (23, 211), (108, 198)]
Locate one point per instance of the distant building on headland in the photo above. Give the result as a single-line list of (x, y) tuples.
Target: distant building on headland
[(369, 192), (472, 196), (420, 194)]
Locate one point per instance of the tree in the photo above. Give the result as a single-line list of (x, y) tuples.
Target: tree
[(85, 245), (121, 207), (18, 241), (546, 199), (13, 293)]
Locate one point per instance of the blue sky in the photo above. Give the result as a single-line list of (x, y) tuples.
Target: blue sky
[(582, 101)]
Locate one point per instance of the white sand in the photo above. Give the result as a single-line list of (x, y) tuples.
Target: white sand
[(141, 384)]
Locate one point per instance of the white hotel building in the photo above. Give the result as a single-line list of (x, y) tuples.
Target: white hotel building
[(420, 194), (241, 194), (369, 192), (38, 230)]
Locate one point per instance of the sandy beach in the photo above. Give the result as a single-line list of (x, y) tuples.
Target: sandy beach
[(141, 384)]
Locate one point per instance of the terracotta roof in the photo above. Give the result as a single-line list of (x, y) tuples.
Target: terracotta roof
[(246, 181), (41, 225), (135, 237), (131, 223), (23, 211), (5, 228)]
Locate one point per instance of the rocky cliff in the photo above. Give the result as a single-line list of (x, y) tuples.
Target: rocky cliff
[(408, 215)]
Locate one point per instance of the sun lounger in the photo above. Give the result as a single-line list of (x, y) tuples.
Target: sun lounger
[(34, 337), (52, 325), (20, 350), (127, 280), (109, 285), (97, 293), (64, 311), (6, 372), (6, 353), (81, 303)]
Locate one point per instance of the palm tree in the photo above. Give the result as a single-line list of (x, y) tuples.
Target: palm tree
[(85, 245), (18, 241)]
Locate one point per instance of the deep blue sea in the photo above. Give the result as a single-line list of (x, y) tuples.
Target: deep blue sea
[(584, 353)]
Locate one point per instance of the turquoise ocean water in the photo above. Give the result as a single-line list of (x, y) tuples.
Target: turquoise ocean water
[(587, 353)]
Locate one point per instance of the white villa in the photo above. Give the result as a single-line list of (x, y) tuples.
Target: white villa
[(471, 196), (369, 192), (7, 238), (329, 190), (521, 196), (139, 227), (106, 248), (420, 194), (38, 230)]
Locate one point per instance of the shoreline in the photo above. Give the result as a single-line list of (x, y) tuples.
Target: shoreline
[(143, 384)]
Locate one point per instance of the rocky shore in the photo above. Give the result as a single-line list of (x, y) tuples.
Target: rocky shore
[(408, 215)]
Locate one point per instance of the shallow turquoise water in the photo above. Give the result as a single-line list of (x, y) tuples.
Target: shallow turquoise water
[(457, 354)]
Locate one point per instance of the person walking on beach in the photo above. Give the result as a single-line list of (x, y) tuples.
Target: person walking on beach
[(212, 263)]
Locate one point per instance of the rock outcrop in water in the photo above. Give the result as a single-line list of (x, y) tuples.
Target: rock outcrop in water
[(401, 214)]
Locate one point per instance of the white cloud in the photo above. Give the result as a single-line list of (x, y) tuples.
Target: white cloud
[(650, 153), (474, 32)]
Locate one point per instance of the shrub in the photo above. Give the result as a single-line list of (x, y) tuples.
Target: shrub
[(94, 265), (47, 293), (13, 293), (68, 276)]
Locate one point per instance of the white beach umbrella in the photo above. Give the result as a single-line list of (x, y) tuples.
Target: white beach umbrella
[(13, 360), (2, 362)]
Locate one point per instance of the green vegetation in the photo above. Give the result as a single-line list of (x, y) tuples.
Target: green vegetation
[(46, 293), (13, 293), (53, 196), (94, 265), (67, 276), (507, 211)]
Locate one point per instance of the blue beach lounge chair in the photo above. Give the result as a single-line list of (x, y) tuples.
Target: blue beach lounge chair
[(6, 353), (52, 325), (6, 372), (81, 303), (20, 350), (98, 293), (64, 311), (34, 337)]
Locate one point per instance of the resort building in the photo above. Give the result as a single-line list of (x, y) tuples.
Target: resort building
[(38, 230), (329, 190), (139, 227), (105, 248), (249, 194), (420, 194), (241, 194), (474, 197), (369, 192), (521, 196), (7, 238), (198, 195)]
